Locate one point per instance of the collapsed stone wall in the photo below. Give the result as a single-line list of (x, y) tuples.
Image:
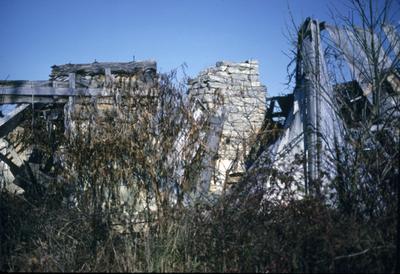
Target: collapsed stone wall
[(235, 86)]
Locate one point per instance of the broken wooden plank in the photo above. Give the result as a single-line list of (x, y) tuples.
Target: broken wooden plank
[(11, 119)]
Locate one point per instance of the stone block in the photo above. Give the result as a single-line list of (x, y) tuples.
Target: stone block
[(217, 85), (255, 84), (254, 78), (222, 74), (240, 77), (234, 70), (215, 78)]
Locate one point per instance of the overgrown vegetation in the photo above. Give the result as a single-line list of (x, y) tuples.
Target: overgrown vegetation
[(87, 220), (300, 236)]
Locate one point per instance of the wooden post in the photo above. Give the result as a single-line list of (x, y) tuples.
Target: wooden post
[(69, 106), (72, 80), (71, 86)]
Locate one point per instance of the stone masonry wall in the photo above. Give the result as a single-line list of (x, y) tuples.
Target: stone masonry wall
[(238, 88)]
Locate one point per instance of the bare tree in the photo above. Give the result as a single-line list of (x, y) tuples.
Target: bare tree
[(364, 66)]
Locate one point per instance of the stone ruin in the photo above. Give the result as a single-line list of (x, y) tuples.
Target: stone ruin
[(79, 89), (231, 95), (237, 88)]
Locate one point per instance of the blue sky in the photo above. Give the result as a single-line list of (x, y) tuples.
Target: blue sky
[(38, 34)]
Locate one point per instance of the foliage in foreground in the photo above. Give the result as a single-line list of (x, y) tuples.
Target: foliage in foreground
[(301, 236)]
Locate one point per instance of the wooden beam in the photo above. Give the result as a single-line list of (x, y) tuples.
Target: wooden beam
[(27, 99), (50, 91), (25, 83), (11, 120), (71, 80), (53, 99), (98, 68)]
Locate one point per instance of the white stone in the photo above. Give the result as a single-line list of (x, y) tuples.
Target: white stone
[(233, 70), (215, 78), (222, 68), (240, 77), (254, 78), (255, 84), (217, 85), (222, 74)]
